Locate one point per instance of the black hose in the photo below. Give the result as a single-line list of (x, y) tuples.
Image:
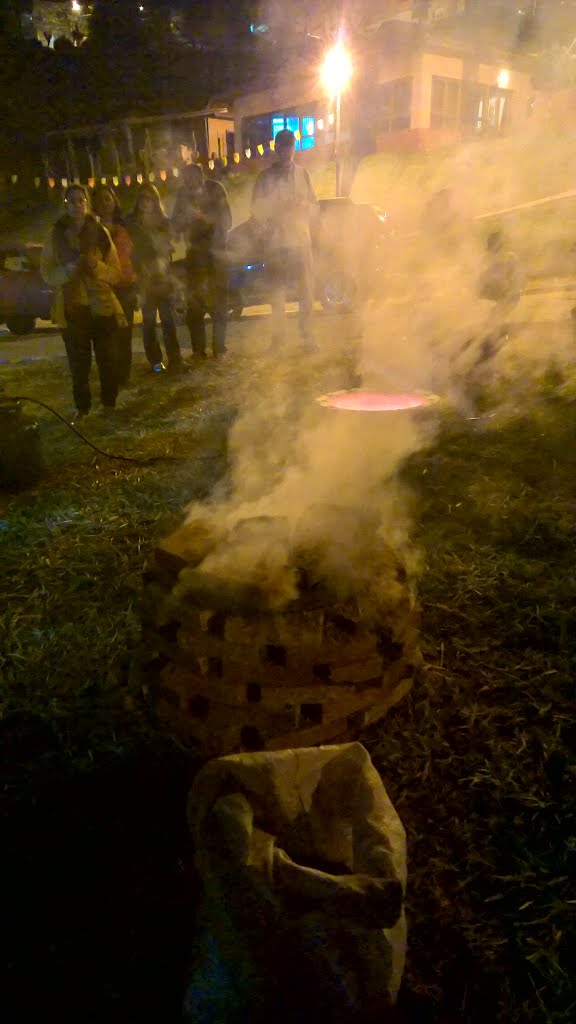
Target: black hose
[(108, 455)]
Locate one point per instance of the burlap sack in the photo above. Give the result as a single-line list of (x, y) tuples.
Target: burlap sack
[(302, 861)]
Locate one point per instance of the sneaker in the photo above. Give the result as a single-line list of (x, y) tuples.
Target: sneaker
[(158, 368), (79, 417)]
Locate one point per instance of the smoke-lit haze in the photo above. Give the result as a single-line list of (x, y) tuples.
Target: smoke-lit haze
[(425, 330)]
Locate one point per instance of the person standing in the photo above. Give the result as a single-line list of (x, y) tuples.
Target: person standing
[(202, 216), (80, 262), (149, 229), (284, 205), (106, 206)]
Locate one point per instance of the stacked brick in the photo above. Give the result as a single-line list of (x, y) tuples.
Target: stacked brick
[(229, 668)]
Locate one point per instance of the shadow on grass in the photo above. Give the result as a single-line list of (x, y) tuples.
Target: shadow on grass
[(98, 903)]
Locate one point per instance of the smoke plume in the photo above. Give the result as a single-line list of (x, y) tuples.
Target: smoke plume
[(427, 327)]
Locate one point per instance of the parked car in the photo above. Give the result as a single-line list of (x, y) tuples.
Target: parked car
[(350, 243), (24, 295)]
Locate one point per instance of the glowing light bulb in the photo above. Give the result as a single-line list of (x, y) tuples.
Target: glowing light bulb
[(336, 70)]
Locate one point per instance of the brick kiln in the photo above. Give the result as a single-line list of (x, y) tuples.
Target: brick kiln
[(262, 637)]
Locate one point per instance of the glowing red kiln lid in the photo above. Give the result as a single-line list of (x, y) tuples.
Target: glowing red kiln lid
[(377, 401)]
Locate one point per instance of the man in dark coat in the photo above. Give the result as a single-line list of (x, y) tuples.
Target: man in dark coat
[(202, 217)]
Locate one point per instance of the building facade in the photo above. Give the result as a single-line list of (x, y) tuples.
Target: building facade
[(411, 90)]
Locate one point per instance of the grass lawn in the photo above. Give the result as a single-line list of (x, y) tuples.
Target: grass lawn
[(478, 759)]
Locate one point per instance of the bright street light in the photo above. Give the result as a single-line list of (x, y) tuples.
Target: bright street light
[(336, 72), (76, 7)]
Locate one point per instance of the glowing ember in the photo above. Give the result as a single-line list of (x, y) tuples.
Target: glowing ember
[(376, 401)]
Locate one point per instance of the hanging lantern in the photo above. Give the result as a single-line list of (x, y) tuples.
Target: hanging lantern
[(14, 179), (91, 182), (163, 175), (211, 165), (272, 144), (236, 158), (102, 181), (139, 179), (115, 181), (64, 182), (248, 153), (224, 161), (151, 176), (261, 149), (320, 124), (51, 182), (297, 134), (127, 179), (36, 182), (175, 172)]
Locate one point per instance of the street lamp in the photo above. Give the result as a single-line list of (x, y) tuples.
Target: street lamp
[(336, 73)]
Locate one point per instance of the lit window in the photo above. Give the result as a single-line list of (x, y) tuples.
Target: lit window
[(291, 122), (277, 125), (293, 125)]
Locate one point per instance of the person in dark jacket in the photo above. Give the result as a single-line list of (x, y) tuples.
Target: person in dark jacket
[(149, 229), (284, 206), (202, 217), (80, 262), (106, 206)]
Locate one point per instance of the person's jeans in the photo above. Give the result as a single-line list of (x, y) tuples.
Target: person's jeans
[(207, 292), (151, 305), (124, 341), (83, 332), (291, 269)]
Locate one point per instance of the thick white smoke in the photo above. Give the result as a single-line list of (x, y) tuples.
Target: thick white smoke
[(425, 329)]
